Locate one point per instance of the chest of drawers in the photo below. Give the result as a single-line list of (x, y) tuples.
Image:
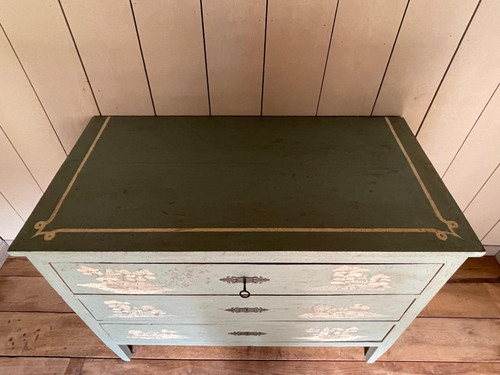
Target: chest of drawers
[(247, 231)]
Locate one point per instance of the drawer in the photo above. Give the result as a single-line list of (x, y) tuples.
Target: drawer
[(226, 279), (218, 309), (248, 333)]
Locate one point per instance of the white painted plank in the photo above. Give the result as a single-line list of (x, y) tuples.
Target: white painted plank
[(16, 183), (493, 237), (484, 210), (298, 35), (10, 223), (469, 83), (478, 157), (363, 37), (428, 38), (24, 121), (41, 39), (172, 41), (234, 35), (105, 34)]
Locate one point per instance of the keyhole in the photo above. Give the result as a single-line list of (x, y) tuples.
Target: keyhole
[(244, 293)]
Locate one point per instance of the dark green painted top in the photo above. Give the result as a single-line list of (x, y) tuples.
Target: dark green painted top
[(247, 183)]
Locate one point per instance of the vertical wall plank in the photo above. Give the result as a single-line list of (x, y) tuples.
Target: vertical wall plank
[(428, 38), (466, 88), (363, 37), (10, 221), (172, 41), (234, 34), (483, 212), (24, 121), (16, 183), (106, 37), (42, 41), (298, 35), (493, 237), (478, 157)]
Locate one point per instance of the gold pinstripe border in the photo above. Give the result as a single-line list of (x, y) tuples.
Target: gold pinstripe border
[(441, 234)]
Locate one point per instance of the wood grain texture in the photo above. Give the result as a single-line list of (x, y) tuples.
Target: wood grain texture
[(464, 300), (23, 120), (19, 293), (450, 340), (41, 38), (20, 189), (10, 221), (145, 367), (234, 34), (298, 35), (363, 36), (34, 366), (484, 268), (483, 211), (48, 334), (18, 266), (105, 35), (172, 41), (493, 237), (478, 157), (426, 42), (469, 83)]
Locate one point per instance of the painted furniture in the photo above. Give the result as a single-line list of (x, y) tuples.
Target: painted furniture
[(279, 231)]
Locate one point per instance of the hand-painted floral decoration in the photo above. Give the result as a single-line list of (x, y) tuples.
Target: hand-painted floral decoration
[(122, 281), (356, 311)]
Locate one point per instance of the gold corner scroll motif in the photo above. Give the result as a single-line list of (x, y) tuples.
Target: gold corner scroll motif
[(440, 234)]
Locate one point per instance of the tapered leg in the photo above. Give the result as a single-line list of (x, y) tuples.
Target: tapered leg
[(122, 351)]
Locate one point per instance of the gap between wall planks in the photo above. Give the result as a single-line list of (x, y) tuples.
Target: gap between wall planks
[(469, 83), (361, 43), (429, 36), (411, 61), (43, 43)]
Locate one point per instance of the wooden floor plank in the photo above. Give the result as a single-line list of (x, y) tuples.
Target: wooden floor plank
[(484, 269), (249, 353), (48, 334), (145, 367), (18, 266), (19, 293), (448, 340), (427, 339), (33, 366), (465, 300)]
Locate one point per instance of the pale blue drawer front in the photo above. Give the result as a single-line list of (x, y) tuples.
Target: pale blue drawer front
[(219, 309), (277, 279), (249, 333)]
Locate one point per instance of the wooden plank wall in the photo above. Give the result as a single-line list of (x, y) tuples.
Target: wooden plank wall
[(437, 63)]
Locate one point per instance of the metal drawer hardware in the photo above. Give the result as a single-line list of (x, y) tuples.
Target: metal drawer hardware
[(246, 309), (239, 333), (240, 279), (253, 279)]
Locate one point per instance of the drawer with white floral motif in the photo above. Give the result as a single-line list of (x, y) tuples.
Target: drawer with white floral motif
[(248, 333), (231, 279), (186, 309)]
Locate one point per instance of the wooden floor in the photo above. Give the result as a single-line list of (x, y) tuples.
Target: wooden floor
[(458, 333)]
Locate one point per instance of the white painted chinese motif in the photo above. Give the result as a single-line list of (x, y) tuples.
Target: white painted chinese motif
[(357, 311), (123, 309), (164, 334), (356, 278), (122, 281), (332, 334)]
